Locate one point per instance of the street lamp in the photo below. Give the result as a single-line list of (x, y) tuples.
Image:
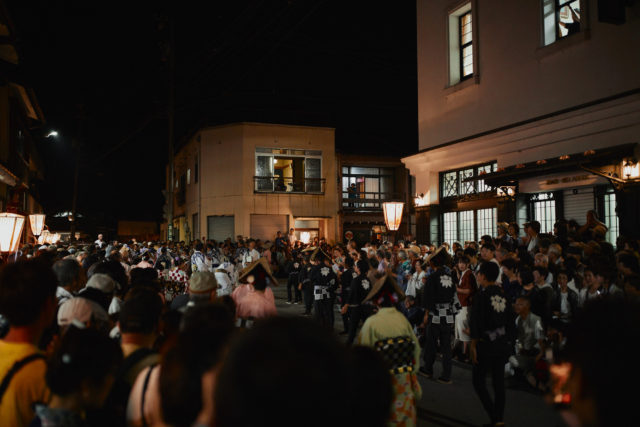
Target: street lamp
[(37, 224), (53, 133), (10, 231), (630, 169), (393, 214)]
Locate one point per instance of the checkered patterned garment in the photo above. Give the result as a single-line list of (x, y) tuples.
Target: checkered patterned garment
[(445, 313), (178, 276), (398, 353), (321, 292)]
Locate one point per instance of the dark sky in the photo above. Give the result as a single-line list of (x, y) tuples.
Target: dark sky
[(100, 73)]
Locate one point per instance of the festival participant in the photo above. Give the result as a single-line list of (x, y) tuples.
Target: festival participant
[(325, 283), (258, 302), (389, 332)]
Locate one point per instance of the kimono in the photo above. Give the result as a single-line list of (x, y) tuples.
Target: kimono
[(389, 323)]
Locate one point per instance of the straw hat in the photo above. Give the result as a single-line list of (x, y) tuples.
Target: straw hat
[(257, 267), (377, 286)]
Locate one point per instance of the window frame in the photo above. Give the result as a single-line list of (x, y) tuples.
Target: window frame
[(274, 153), (461, 217), (455, 81), (557, 6), (475, 185), (462, 46), (346, 202), (549, 197)]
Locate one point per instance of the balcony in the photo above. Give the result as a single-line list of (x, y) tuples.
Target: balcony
[(367, 201), (283, 185)]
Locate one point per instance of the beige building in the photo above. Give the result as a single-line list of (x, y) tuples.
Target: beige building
[(254, 179), (527, 110)]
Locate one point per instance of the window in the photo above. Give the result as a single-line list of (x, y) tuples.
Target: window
[(466, 226), (461, 65), (455, 184), (366, 187), (561, 18), (466, 46), (487, 222), (611, 218), (288, 170), (543, 206)]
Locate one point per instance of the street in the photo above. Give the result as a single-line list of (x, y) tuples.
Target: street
[(455, 404)]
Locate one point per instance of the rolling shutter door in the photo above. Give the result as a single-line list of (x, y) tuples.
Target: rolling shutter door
[(576, 205), (220, 228), (265, 227)]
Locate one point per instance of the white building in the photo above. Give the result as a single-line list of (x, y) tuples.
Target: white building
[(253, 179), (538, 97)]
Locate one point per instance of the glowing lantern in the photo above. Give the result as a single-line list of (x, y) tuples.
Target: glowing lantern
[(37, 224), (393, 214), (10, 231)]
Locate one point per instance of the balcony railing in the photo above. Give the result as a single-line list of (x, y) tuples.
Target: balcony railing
[(276, 184), (367, 200)]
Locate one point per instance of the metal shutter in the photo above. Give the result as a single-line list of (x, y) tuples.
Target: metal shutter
[(577, 202), (264, 227), (220, 228)]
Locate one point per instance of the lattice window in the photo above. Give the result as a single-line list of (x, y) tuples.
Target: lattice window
[(611, 218), (467, 187), (450, 184), (482, 187)]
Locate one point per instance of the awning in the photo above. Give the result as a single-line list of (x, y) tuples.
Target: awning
[(510, 176)]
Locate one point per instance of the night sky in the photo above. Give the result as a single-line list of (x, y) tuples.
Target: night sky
[(100, 72)]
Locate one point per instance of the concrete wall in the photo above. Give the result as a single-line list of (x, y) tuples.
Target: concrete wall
[(517, 78)]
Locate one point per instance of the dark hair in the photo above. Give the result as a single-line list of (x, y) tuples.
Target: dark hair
[(66, 271), (630, 261), (274, 358), (486, 239), (205, 331), (489, 246), (464, 259), (363, 266), (199, 246), (82, 355), (526, 276), (598, 346), (348, 262), (143, 276), (470, 252), (490, 270), (542, 271), (141, 311), (25, 288), (565, 272), (509, 264), (113, 269)]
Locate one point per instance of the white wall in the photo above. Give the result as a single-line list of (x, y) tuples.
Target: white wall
[(518, 79)]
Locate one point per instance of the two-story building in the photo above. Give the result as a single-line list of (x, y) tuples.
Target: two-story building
[(526, 110), (366, 183), (252, 179)]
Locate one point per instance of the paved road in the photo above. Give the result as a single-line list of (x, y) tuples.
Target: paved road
[(455, 405)]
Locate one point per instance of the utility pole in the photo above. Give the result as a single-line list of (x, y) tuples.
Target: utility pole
[(171, 112)]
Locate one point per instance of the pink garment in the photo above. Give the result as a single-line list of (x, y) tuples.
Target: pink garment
[(240, 292), (256, 304)]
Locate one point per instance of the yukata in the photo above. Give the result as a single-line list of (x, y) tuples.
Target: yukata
[(198, 262), (325, 283), (256, 305), (388, 324)]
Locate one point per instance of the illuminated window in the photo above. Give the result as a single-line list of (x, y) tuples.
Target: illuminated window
[(611, 218), (459, 183), (367, 187), (461, 64), (543, 207), (486, 222), (450, 222), (561, 18)]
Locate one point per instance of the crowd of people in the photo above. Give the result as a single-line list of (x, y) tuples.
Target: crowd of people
[(187, 333)]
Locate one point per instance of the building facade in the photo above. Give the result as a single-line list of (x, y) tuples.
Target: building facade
[(251, 179), (366, 183), (526, 110)]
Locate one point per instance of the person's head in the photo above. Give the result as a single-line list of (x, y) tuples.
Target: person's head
[(532, 228), (486, 240), (539, 274), (525, 276), (487, 252), (189, 366), (562, 277), (83, 367), (100, 236), (487, 273), (597, 349), (362, 267), (70, 274), (514, 229), (113, 269), (274, 358), (348, 262), (279, 234), (463, 263), (628, 264), (140, 313), (470, 253), (409, 301), (589, 278), (28, 294), (203, 286), (554, 252), (509, 266), (522, 307), (199, 247), (291, 231), (540, 260)]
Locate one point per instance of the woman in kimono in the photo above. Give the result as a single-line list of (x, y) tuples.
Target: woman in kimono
[(389, 333)]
